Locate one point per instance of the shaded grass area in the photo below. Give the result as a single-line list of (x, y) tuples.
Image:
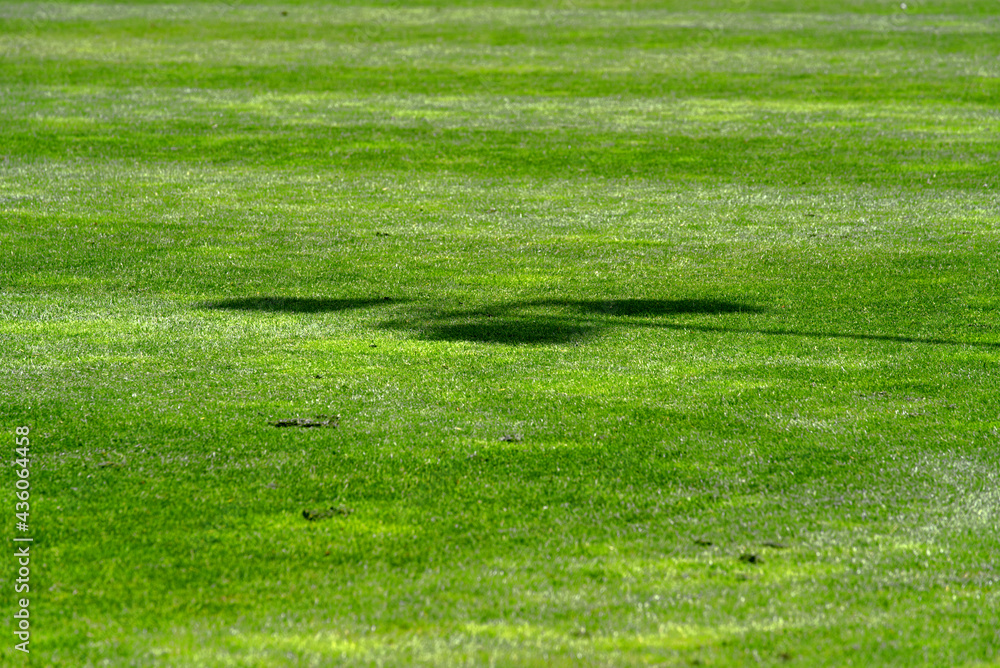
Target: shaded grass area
[(645, 335)]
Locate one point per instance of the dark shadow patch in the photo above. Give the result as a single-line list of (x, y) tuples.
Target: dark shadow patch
[(514, 323), (612, 307), (332, 511), (318, 421), (506, 323), (508, 331), (655, 307), (294, 304)]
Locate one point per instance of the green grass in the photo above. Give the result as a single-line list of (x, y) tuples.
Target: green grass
[(649, 333)]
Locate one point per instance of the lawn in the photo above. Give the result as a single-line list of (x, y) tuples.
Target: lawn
[(580, 333)]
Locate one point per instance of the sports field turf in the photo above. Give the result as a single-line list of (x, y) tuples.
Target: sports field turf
[(518, 334)]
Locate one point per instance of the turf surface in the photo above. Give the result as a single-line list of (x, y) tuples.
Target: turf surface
[(585, 334)]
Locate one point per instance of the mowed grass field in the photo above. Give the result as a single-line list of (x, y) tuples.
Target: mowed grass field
[(538, 334)]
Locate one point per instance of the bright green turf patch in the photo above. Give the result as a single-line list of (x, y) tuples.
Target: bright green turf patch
[(651, 333)]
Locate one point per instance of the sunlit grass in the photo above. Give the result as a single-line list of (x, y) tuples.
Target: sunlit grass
[(603, 334)]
